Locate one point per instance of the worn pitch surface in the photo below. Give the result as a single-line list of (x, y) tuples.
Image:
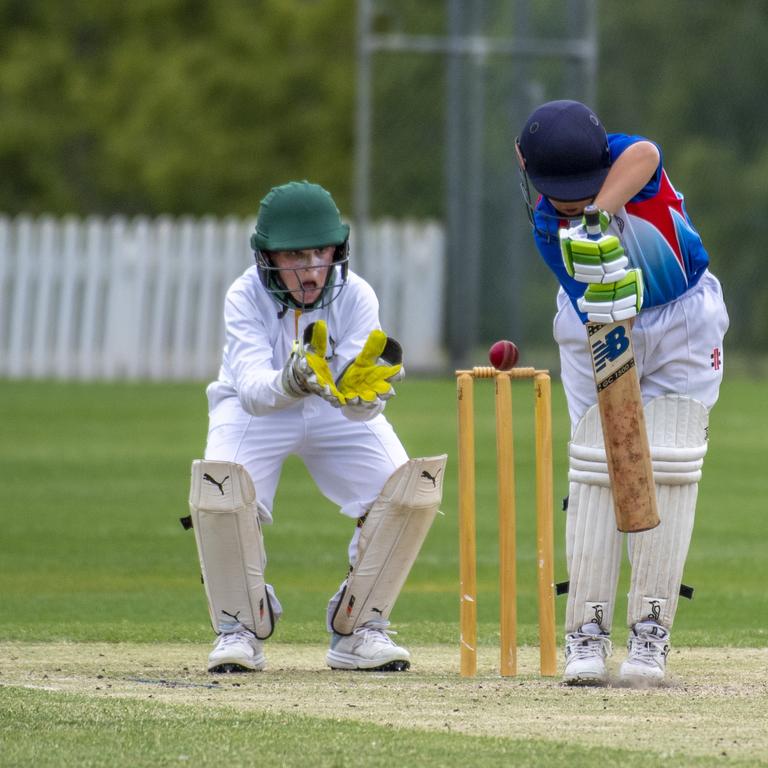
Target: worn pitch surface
[(714, 704)]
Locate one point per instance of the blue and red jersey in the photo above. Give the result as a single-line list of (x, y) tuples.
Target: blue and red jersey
[(654, 229)]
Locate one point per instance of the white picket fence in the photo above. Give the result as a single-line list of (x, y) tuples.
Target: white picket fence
[(142, 298)]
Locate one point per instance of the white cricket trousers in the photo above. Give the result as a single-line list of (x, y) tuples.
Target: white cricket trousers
[(678, 348), (349, 460)]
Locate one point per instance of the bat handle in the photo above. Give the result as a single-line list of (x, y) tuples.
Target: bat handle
[(592, 221)]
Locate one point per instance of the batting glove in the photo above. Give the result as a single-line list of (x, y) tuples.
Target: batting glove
[(370, 375), (307, 371), (593, 261), (612, 302)]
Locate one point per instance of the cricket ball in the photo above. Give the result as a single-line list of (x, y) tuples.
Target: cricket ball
[(503, 355)]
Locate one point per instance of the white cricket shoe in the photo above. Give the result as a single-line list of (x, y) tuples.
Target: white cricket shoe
[(369, 647), (237, 652), (646, 662), (585, 655)]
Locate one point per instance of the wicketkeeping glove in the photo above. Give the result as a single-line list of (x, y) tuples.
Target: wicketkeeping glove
[(612, 302), (307, 371), (370, 375), (593, 261)]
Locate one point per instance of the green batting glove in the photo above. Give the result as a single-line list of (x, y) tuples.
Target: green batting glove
[(592, 261), (370, 375), (612, 302)]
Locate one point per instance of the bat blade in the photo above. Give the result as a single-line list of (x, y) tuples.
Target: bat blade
[(623, 420)]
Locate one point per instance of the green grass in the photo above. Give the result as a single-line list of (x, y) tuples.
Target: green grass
[(95, 478), (145, 733)]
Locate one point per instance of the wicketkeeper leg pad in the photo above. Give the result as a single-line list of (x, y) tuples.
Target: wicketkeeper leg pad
[(225, 518), (593, 545), (390, 539), (677, 431)]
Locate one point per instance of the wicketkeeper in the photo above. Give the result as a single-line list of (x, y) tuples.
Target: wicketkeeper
[(307, 371), (650, 265)]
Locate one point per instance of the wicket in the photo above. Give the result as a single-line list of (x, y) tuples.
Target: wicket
[(507, 518)]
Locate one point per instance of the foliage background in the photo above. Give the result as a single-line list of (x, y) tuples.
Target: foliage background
[(193, 107)]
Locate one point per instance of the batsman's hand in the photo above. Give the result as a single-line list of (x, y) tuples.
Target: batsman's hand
[(612, 302), (370, 375), (307, 371), (592, 261)]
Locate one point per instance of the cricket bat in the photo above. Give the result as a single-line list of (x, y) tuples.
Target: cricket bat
[(621, 414)]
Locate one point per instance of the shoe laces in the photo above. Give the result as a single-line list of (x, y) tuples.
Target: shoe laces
[(231, 638), (648, 649), (582, 645), (376, 631)]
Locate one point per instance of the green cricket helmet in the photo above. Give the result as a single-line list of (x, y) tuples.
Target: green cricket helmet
[(294, 217)]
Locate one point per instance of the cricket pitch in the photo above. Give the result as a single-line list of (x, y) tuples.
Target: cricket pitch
[(715, 702)]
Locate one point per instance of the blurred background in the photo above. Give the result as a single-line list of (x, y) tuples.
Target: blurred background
[(136, 140)]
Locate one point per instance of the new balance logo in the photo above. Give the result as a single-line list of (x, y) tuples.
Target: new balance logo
[(433, 478), (611, 348), (213, 481)]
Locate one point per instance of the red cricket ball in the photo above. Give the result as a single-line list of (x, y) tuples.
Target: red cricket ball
[(503, 355)]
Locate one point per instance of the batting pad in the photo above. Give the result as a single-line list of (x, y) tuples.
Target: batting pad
[(593, 545), (390, 540), (222, 502), (677, 431)]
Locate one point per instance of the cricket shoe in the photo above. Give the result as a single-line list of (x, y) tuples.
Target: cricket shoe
[(369, 647), (646, 661), (237, 652), (585, 655)]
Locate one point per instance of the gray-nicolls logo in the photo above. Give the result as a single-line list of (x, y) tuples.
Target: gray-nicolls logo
[(213, 481), (433, 478)]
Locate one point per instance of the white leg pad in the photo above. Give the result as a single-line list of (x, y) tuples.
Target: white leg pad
[(390, 540), (593, 545), (677, 430), (225, 518)]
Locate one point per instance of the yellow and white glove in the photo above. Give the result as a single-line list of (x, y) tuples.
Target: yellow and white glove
[(370, 375), (593, 261), (612, 302), (307, 371)]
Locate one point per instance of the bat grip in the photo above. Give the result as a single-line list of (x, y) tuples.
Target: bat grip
[(592, 221)]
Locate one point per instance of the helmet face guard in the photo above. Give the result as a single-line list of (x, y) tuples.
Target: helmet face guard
[(545, 225), (300, 216), (271, 279)]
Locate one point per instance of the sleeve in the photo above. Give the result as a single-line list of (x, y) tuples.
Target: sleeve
[(250, 357), (618, 143), (548, 245)]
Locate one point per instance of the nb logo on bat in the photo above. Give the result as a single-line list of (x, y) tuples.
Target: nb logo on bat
[(610, 348)]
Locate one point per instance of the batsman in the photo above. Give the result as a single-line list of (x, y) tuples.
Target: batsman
[(306, 370), (637, 276)]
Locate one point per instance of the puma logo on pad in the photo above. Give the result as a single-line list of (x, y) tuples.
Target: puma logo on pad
[(212, 481)]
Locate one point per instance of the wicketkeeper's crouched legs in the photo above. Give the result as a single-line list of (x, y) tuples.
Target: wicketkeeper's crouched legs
[(382, 553), (230, 545)]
